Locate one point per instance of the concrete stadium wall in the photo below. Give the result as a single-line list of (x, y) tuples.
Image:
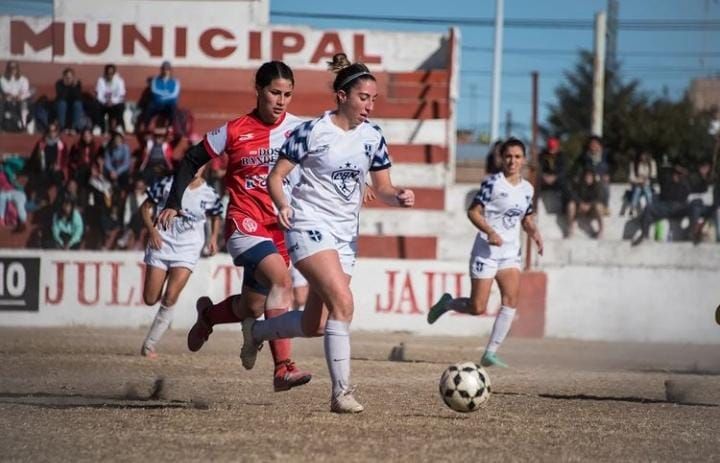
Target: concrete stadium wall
[(611, 303), (58, 288), (656, 303)]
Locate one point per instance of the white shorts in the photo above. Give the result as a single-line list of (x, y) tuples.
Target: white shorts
[(486, 267), (305, 243), (153, 261), (298, 279)]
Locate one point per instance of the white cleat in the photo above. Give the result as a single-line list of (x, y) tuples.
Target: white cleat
[(249, 349), (345, 403)]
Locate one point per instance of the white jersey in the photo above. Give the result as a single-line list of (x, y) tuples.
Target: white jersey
[(505, 207), (186, 237), (334, 164)]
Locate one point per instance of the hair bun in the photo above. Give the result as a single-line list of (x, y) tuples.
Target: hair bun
[(339, 62)]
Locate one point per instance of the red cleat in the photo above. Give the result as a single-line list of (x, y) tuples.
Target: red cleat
[(201, 330), (287, 376)]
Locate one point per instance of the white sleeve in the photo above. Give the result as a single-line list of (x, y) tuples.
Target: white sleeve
[(216, 140), (100, 90)]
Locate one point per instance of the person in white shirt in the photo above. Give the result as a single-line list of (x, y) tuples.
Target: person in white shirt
[(110, 91), (503, 205), (172, 252), (335, 153), (16, 94)]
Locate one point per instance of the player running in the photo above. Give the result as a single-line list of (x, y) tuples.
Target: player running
[(254, 239), (503, 204), (172, 253), (335, 153)]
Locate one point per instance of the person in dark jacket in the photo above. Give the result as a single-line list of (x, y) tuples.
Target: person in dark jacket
[(68, 102)]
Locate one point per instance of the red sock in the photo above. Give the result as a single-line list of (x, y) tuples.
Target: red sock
[(280, 348), (222, 312)]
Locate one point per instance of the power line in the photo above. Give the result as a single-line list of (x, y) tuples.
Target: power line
[(633, 24), (570, 52)]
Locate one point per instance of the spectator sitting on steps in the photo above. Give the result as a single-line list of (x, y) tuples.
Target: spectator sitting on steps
[(553, 171), (15, 97), (67, 227), (585, 199), (110, 94), (68, 102), (672, 203), (164, 95), (595, 158)]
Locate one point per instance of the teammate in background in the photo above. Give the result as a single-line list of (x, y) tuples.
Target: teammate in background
[(172, 252), (502, 205), (253, 236), (335, 153)]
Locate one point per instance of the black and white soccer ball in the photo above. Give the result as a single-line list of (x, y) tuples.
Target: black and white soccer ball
[(464, 387)]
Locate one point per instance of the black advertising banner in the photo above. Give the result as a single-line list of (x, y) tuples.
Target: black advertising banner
[(19, 283)]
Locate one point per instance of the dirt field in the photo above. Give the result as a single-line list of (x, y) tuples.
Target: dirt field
[(85, 395)]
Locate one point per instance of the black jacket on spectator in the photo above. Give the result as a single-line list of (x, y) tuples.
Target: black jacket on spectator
[(68, 93)]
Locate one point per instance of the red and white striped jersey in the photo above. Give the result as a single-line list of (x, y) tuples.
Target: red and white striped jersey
[(252, 148)]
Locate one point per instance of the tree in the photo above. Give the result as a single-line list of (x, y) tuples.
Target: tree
[(633, 119)]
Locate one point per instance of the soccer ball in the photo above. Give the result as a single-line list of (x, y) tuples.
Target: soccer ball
[(465, 386)]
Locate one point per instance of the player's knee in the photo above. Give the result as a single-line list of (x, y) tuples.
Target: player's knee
[(313, 329), (478, 307), (342, 305), (283, 283), (150, 298)]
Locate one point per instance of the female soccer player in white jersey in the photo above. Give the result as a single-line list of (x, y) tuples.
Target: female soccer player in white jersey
[(254, 238), (172, 253), (503, 204), (335, 153)]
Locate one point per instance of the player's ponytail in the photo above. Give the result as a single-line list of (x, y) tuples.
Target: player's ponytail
[(347, 73)]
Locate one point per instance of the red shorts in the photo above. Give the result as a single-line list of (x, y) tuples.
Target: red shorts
[(250, 227)]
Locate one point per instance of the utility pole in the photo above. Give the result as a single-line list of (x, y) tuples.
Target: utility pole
[(612, 34), (496, 72), (474, 124), (508, 124), (534, 164), (599, 75)]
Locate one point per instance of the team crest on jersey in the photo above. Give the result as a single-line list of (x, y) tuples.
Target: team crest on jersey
[(249, 225), (511, 217), (345, 180)]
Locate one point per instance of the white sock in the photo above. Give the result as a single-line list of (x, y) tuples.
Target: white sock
[(337, 354), (287, 325), (160, 324), (500, 328)]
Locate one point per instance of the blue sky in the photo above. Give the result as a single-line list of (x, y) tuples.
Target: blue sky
[(656, 72), (667, 62)]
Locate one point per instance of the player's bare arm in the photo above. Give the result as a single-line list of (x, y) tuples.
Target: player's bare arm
[(388, 193), (528, 224), (476, 214), (146, 211), (282, 168), (214, 234)]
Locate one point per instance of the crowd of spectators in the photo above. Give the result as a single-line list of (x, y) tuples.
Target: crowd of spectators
[(83, 183), (671, 191), (103, 110)]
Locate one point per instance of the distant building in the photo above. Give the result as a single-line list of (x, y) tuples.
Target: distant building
[(705, 93)]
